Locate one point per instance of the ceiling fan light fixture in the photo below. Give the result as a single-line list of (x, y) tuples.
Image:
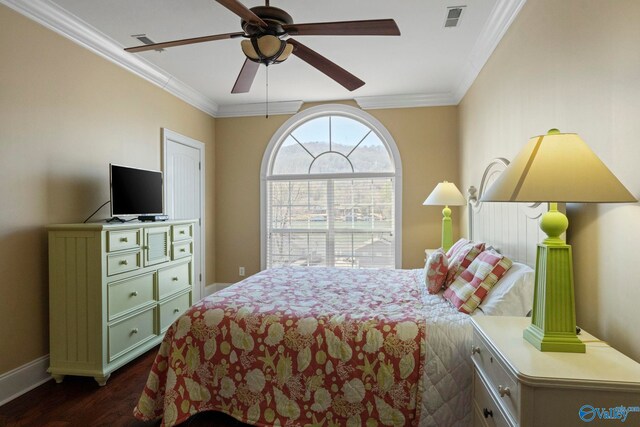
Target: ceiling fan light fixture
[(248, 50), (287, 51), (266, 49)]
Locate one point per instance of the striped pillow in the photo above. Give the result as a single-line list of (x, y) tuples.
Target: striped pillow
[(435, 271), (453, 250), (473, 284), (462, 259)]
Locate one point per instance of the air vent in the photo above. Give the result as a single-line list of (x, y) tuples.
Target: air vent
[(453, 16), (145, 40)]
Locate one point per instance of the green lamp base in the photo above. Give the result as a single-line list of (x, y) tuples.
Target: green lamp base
[(553, 323), (552, 341), (447, 231)]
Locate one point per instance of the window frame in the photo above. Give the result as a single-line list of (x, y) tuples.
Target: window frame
[(321, 111)]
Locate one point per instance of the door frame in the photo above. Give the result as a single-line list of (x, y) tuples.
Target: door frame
[(168, 137)]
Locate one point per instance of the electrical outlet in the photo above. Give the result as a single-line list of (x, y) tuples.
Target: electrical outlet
[(241, 271)]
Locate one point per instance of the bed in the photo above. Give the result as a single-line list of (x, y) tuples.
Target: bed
[(330, 347)]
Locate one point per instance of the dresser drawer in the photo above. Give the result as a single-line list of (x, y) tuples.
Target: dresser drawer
[(123, 239), (486, 412), (500, 382), (182, 249), (131, 332), (174, 279), (181, 232), (172, 309), (122, 262), (127, 295)]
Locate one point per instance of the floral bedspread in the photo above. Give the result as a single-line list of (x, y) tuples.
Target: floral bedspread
[(297, 347)]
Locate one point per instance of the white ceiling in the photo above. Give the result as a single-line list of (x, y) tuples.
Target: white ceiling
[(427, 65)]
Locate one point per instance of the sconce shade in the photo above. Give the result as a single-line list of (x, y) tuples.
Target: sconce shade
[(445, 194), (557, 167)]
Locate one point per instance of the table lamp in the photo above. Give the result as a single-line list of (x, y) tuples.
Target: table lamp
[(556, 167), (446, 194)]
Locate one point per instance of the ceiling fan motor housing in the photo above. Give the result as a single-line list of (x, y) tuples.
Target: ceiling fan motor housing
[(274, 17), (264, 45)]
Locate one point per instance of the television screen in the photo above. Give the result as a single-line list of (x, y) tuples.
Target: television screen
[(135, 191)]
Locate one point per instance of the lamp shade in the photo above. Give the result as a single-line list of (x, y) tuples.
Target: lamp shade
[(445, 194), (557, 167)]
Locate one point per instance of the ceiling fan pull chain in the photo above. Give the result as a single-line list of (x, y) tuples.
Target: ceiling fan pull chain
[(267, 90)]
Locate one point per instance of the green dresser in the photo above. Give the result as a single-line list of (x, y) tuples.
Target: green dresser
[(114, 290)]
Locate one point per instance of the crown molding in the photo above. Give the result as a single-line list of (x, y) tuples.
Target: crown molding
[(501, 17), (405, 101), (247, 110), (73, 28)]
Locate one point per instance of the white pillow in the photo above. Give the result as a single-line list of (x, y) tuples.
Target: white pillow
[(513, 294)]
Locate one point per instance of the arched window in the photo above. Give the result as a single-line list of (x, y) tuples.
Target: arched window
[(331, 187)]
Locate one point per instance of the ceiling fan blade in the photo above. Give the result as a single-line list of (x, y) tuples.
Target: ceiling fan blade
[(243, 12), (182, 42), (246, 77), (329, 68), (374, 27)]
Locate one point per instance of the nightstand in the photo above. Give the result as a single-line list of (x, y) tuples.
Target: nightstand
[(514, 384)]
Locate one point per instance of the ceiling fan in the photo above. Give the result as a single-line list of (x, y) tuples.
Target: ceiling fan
[(266, 33)]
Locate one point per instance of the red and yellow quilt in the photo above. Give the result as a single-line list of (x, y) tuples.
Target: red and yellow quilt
[(297, 347)]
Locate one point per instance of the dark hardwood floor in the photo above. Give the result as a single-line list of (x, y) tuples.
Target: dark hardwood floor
[(79, 401)]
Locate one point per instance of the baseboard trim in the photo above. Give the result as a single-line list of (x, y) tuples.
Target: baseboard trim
[(18, 381), (215, 287)]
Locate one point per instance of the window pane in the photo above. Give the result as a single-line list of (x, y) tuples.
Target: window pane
[(352, 217), (371, 156), (291, 158), (331, 163), (314, 135), (346, 133)]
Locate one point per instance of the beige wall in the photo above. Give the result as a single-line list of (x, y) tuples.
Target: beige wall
[(65, 114), (427, 139), (573, 65)]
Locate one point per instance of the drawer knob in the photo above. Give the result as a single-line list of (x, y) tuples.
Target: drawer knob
[(504, 391), (124, 262), (175, 279), (134, 293), (134, 331), (176, 310), (181, 231), (475, 350), (487, 413), (183, 250), (124, 239)]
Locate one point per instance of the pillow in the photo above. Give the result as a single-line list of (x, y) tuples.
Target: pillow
[(456, 247), (513, 294), (473, 284), (461, 260), (435, 271)]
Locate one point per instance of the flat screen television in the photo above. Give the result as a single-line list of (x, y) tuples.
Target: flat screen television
[(135, 191)]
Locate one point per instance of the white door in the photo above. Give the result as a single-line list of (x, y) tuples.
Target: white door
[(183, 165)]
